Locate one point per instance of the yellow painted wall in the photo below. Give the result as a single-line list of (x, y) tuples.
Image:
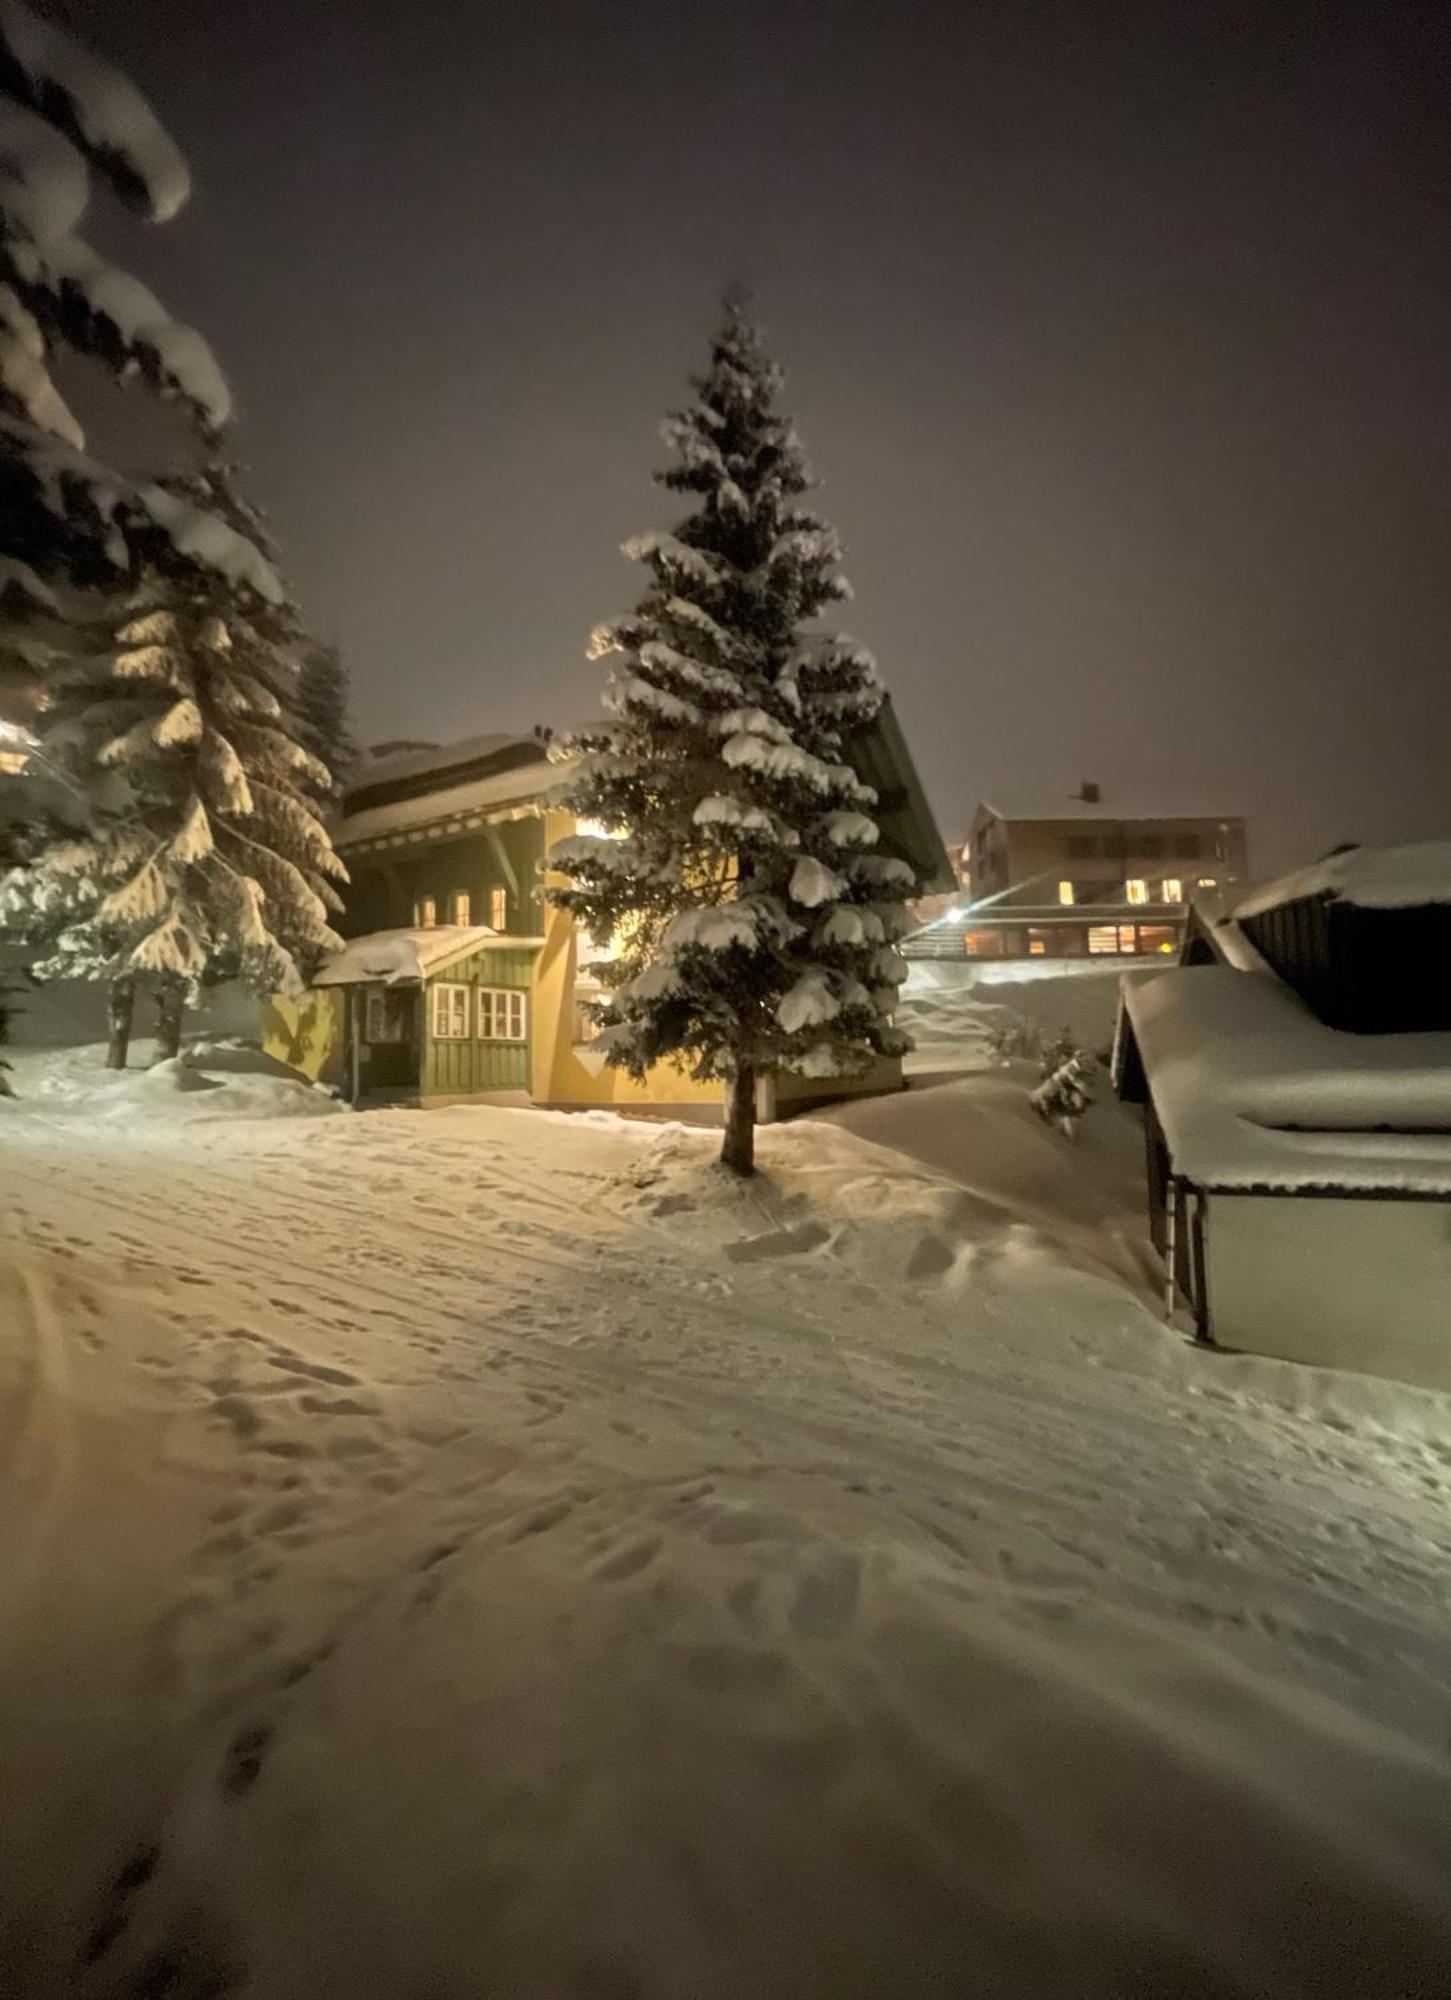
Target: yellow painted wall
[(307, 1031), (560, 1077)]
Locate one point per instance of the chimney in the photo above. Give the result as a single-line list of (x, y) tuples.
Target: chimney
[(1089, 792)]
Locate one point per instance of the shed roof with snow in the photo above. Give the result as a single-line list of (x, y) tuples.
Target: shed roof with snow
[(1252, 1091)]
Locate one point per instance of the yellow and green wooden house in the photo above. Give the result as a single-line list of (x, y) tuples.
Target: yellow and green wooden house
[(459, 981)]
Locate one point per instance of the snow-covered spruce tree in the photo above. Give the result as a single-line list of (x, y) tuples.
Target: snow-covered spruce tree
[(321, 716), (200, 858), (66, 517), (753, 928)]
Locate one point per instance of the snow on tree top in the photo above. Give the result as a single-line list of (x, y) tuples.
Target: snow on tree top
[(208, 540), (42, 180), (183, 357), (1403, 877), (102, 111)]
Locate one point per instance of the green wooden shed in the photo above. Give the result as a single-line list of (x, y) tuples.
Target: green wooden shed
[(434, 1014)]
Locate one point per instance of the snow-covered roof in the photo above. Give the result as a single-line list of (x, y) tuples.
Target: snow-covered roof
[(1007, 806), (421, 758), (486, 798), (407, 957), (1252, 1091), (1372, 878)]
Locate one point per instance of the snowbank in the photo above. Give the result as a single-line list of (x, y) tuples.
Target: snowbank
[(206, 1082)]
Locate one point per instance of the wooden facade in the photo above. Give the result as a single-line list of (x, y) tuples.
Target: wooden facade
[(1349, 965), (459, 837)]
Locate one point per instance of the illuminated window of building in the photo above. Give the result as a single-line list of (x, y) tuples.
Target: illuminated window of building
[(1207, 882), (1126, 939), (1173, 889), (1162, 939), (983, 944), (1065, 892), (462, 904), (425, 913), (1137, 891), (502, 1014), (1103, 940), (499, 909), (450, 1013), (1037, 944)]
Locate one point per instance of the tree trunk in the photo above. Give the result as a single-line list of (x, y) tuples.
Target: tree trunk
[(170, 1005), (120, 1005), (738, 1148)]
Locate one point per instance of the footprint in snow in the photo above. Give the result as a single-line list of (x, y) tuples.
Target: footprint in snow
[(778, 1243)]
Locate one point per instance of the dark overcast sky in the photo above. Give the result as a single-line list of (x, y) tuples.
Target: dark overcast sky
[(1119, 336)]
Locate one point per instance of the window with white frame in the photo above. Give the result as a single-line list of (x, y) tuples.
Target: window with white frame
[(463, 904), (499, 909), (503, 1014), (450, 1016)]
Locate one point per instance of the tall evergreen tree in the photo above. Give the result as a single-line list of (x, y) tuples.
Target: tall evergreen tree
[(321, 710), (753, 927), (201, 857)]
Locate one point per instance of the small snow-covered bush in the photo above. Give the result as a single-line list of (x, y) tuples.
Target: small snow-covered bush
[(1065, 1094)]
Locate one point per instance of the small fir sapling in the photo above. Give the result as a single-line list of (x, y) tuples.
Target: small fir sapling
[(1065, 1094)]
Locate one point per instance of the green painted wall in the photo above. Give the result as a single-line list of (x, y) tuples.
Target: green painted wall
[(464, 1068), (386, 885)]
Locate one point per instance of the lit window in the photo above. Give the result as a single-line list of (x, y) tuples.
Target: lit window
[(1126, 938), (503, 1014), (462, 905), (1207, 882), (385, 1016), (1037, 944), (1137, 891), (1065, 892), (1162, 939), (425, 913), (1173, 889), (450, 1015), (1103, 940), (499, 909)]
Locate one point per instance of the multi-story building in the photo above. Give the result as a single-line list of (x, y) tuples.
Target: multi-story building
[(1083, 878)]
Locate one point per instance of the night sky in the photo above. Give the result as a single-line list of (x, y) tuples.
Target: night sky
[(1118, 335)]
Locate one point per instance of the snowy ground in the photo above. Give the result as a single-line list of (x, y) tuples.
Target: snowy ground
[(484, 1552)]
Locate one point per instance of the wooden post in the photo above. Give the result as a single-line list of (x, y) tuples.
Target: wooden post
[(354, 1039), (738, 1148), (1171, 1253)]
